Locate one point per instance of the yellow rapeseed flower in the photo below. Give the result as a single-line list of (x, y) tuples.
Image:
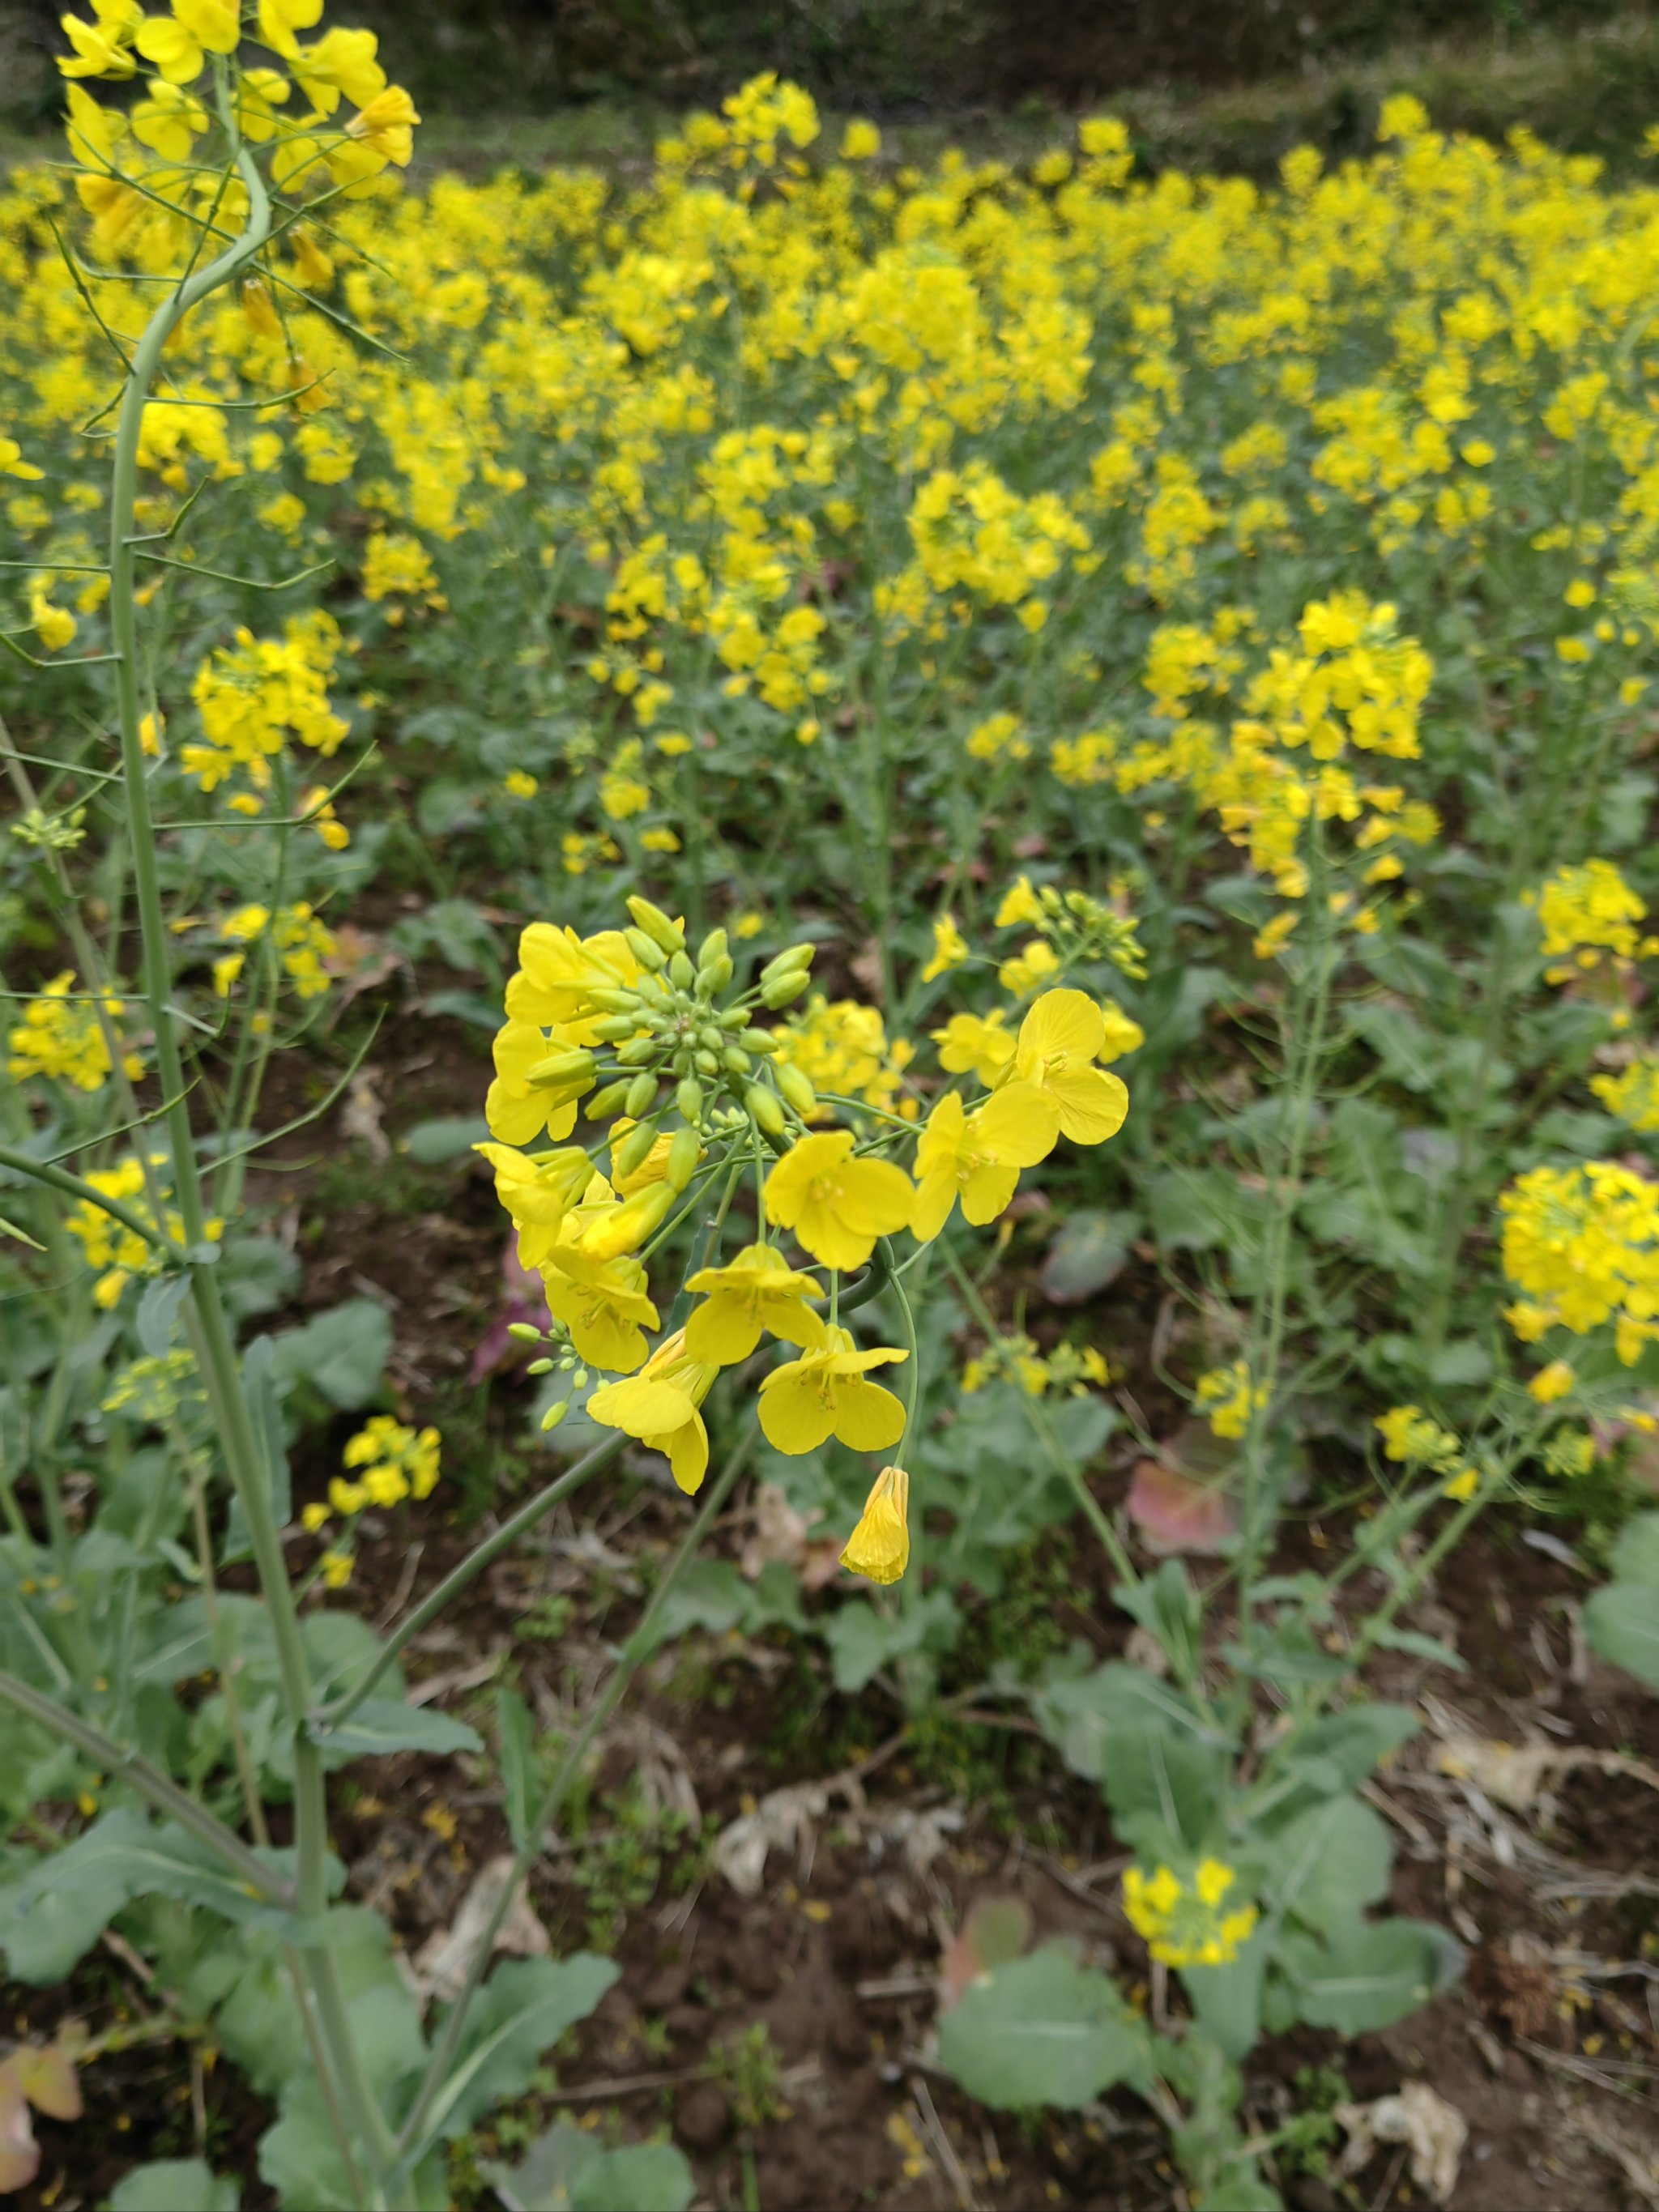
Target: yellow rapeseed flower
[(757, 1291), (977, 1156), (837, 1206), (1059, 1042), (879, 1548), (825, 1394), (660, 1406)]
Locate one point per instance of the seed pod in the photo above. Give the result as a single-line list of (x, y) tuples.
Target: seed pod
[(795, 1088), (688, 1099), (656, 925), (784, 988), (641, 1092), (604, 1104), (645, 949), (683, 1156), (736, 1061), (706, 1063), (555, 1414), (616, 1026), (764, 1109), (632, 1149), (681, 973), (714, 947)]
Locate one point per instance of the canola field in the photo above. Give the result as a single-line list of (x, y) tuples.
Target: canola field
[(1019, 804)]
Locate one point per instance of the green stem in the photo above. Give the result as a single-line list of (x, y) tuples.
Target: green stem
[(167, 1796), (427, 2114)]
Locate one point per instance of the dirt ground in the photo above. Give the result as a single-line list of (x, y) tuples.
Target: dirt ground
[(785, 2037)]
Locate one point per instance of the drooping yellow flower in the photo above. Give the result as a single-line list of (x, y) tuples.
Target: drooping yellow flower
[(341, 62), (385, 127), (180, 43), (837, 1206), (1059, 1041), (604, 1304), (659, 1405), (1020, 903), (879, 1548), (949, 948), (103, 48), (1122, 1033), (975, 1044), (825, 1394), (519, 1109), (757, 1291), (539, 1193), (977, 1156)]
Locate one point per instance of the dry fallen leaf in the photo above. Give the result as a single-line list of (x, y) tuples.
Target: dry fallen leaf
[(443, 1961), (359, 1117), (1434, 2132), (783, 1820)]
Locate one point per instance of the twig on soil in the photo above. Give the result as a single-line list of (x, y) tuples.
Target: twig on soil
[(1387, 2191), (626, 2085), (1612, 2073), (405, 1583), (939, 2137)]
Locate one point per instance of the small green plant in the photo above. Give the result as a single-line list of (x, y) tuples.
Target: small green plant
[(747, 2066)]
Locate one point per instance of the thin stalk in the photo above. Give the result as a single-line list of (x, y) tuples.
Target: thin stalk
[(167, 1796), (427, 2112)]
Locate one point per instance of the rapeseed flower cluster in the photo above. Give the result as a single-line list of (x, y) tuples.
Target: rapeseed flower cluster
[(60, 1036), (635, 1028), (118, 1253), (1582, 1246), (1182, 1922)]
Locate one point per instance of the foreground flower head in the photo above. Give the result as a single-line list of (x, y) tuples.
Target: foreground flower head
[(757, 1291), (837, 1206), (825, 1394), (604, 1304), (977, 1156), (1059, 1041), (879, 1548)]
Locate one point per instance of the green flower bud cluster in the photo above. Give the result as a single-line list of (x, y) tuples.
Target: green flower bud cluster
[(675, 1028)]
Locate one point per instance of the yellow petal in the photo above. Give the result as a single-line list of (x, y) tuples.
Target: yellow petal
[(1092, 1104), (1067, 1022), (879, 1548), (867, 1417)]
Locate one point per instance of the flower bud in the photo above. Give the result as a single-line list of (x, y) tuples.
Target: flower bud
[(715, 975), (707, 1062), (714, 947), (555, 1414), (734, 1017), (610, 1001), (736, 1061), (604, 1104), (783, 989), (630, 1151), (562, 1068), (645, 949), (793, 961), (712, 1037), (795, 1088), (688, 1099), (616, 1026), (681, 973), (683, 1156), (764, 1109), (760, 1041), (524, 1332), (641, 1092), (655, 923), (539, 1367), (638, 1051)]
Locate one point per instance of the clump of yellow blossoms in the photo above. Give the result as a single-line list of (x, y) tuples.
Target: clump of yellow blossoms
[(1224, 1396), (638, 1030), (385, 1462), (1412, 1439), (1181, 1923), (1582, 1244), (1632, 1094), (61, 1036), (1584, 912), (1073, 1368), (118, 1252)]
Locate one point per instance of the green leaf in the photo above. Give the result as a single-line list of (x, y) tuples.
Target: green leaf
[(158, 1313), (863, 1641), (262, 1390), (1090, 1252), (450, 1136), (300, 2161), (710, 1594), (1636, 1555), (515, 1739), (1226, 2001), (45, 1929), (1369, 1974), (521, 2012), (342, 1353), (256, 1275), (381, 1725), (1419, 1646), (566, 2171), (1329, 1862), (1041, 2030), (1622, 1622), (174, 2185)]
